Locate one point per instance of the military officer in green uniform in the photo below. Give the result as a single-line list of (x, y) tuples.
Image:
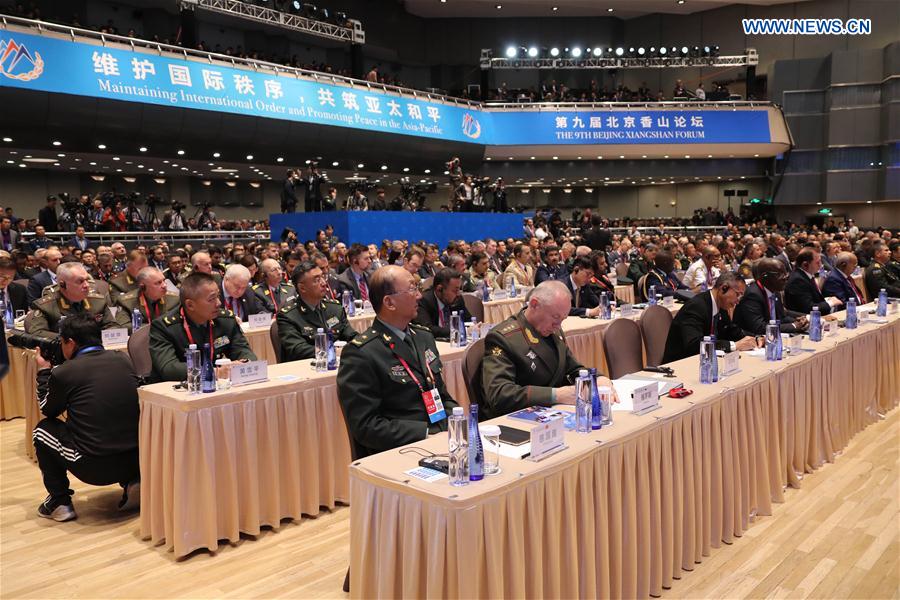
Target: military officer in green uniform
[(152, 298), (274, 292), (73, 296), (200, 320), (298, 321), (894, 263), (390, 382), (126, 281), (526, 360), (878, 276)]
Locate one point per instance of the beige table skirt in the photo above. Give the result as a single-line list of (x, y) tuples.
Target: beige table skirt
[(362, 322), (625, 293), (497, 311), (15, 389), (623, 517)]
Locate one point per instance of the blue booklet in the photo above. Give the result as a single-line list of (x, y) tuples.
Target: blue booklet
[(542, 414)]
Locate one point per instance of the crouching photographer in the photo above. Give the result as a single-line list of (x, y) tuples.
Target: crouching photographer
[(98, 441)]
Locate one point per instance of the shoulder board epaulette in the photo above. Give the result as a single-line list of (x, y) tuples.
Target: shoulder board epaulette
[(255, 286), (95, 295), (330, 301), (365, 337), (129, 295), (419, 326), (507, 328), (175, 294), (45, 300), (288, 307), (224, 312), (172, 319)]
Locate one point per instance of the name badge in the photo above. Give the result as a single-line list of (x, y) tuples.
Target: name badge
[(254, 371), (263, 319), (547, 438), (429, 355), (114, 337), (332, 321), (730, 364), (645, 398), (434, 405), (627, 310)]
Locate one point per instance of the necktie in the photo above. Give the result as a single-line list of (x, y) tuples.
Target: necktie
[(712, 326), (772, 308), (855, 289), (444, 316), (363, 288), (577, 297)]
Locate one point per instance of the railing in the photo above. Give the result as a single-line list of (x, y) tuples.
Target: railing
[(555, 106), (154, 237), (270, 16)]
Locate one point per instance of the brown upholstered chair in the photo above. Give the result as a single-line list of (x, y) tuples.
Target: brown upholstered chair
[(622, 347), (655, 324), (139, 351), (276, 341), (471, 370), (474, 305)]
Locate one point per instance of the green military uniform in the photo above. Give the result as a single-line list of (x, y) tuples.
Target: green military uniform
[(297, 324), (637, 269), (894, 267), (48, 310), (879, 276), (122, 284), (169, 339), (135, 300), (521, 368), (284, 294), (383, 405)]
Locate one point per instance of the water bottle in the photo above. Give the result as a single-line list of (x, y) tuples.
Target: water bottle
[(192, 361), (476, 451), (462, 332), (454, 330), (457, 450), (511, 286), (815, 325), (779, 342), (330, 353), (605, 394), (207, 372), (659, 299), (476, 333), (3, 313), (596, 409), (772, 335), (714, 362), (485, 291), (707, 348), (852, 319), (881, 310), (321, 350), (347, 301), (605, 308), (651, 295), (136, 320), (583, 402)]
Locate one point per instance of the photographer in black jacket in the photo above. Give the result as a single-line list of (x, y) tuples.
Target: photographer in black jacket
[(98, 441)]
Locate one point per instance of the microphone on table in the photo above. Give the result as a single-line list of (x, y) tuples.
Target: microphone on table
[(667, 371)]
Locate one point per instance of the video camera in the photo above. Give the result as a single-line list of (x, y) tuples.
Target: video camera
[(363, 185), (178, 206), (50, 348)]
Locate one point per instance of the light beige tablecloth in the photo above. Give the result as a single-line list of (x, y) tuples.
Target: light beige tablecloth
[(362, 322), (497, 311), (624, 510), (625, 293), (15, 389)]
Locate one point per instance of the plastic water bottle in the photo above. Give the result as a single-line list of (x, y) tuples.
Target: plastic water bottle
[(714, 362), (454, 329), (347, 301), (605, 394), (583, 402), (3, 313), (852, 318), (659, 299), (330, 353), (485, 291), (136, 320), (707, 349), (511, 286), (462, 332), (321, 350), (192, 361), (457, 450), (476, 451), (596, 410), (476, 333), (605, 307), (773, 334), (651, 295), (207, 372), (779, 342), (881, 309), (815, 325)]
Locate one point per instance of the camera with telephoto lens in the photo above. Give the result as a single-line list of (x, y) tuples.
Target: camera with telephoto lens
[(51, 348), (178, 206)]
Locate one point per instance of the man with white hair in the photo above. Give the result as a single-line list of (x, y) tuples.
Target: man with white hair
[(273, 291), (526, 360), (72, 296), (237, 297), (152, 298)]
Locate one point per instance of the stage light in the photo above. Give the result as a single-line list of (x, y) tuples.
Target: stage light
[(511, 52), (576, 52), (652, 49), (598, 51), (706, 50), (620, 51), (663, 51), (532, 52), (554, 52), (684, 51), (641, 51), (673, 50)]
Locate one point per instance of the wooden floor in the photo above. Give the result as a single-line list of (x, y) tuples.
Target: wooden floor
[(836, 537)]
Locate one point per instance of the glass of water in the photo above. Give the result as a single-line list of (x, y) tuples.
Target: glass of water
[(491, 435)]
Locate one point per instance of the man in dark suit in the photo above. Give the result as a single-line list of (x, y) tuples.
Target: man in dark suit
[(801, 292), (762, 302), (598, 237), (289, 192), (585, 301), (78, 240), (662, 276), (839, 282), (49, 261), (551, 269), (776, 250), (313, 182), (709, 313), (237, 295), (438, 303), (47, 216), (354, 278), (9, 237), (13, 294)]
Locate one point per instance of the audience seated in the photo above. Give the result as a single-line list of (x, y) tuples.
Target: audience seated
[(438, 303)]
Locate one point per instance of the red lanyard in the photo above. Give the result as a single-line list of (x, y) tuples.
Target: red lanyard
[(147, 308), (409, 371), (190, 338), (274, 297)]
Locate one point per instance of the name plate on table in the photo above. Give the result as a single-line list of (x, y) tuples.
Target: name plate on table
[(669, 301), (114, 337), (547, 438), (254, 371), (627, 310), (645, 398), (260, 320), (730, 364)]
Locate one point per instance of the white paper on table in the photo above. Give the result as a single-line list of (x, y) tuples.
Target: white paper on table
[(425, 474), (757, 352), (510, 451), (625, 386)]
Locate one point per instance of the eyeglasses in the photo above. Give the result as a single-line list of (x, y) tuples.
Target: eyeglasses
[(412, 291)]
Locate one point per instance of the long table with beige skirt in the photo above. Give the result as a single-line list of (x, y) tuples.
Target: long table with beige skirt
[(623, 510), (15, 387)]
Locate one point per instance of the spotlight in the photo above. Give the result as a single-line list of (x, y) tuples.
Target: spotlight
[(641, 51), (620, 51), (684, 51), (706, 50), (511, 52), (554, 52), (532, 52), (715, 51), (576, 52), (663, 50), (587, 51), (652, 49), (598, 51)]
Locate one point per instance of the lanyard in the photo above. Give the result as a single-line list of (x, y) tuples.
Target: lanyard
[(190, 338), (274, 297), (147, 307), (87, 349), (409, 371)]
